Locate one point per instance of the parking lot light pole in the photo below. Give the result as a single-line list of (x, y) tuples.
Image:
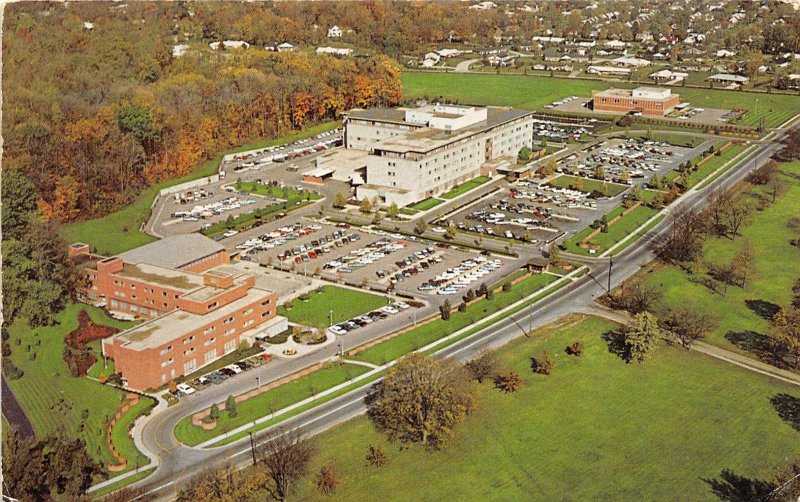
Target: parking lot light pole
[(330, 318), (610, 264), (258, 382)]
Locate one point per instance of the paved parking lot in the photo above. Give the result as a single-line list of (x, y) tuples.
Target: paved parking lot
[(163, 223), (533, 211)]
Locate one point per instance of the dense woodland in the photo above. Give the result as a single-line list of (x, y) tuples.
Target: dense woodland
[(94, 115)]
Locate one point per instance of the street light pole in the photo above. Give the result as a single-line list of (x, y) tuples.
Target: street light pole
[(252, 447), (330, 318), (610, 264), (258, 382)]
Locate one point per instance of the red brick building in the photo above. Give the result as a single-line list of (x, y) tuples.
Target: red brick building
[(194, 314), (651, 101)]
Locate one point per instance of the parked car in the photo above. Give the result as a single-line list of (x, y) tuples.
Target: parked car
[(185, 388)]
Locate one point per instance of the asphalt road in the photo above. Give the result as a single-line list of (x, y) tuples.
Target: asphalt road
[(178, 463)]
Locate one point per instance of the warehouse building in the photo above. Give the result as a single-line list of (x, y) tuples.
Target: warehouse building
[(651, 101), (416, 153)]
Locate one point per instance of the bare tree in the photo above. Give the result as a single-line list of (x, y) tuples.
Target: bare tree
[(738, 211), (285, 456), (635, 297), (482, 366), (687, 324), (683, 240)]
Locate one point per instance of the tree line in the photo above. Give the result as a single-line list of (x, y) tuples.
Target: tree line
[(93, 116)]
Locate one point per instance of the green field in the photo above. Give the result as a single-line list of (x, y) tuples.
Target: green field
[(588, 185), (426, 204), (776, 268), (427, 333), (616, 231), (345, 303), (270, 401), (465, 187), (119, 231), (51, 398), (627, 432), (534, 92)]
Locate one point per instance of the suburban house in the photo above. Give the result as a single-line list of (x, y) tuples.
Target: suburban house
[(334, 32)]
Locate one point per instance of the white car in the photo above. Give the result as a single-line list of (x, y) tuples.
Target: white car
[(390, 310), (336, 330), (439, 230), (234, 368), (230, 233), (401, 305), (185, 388)]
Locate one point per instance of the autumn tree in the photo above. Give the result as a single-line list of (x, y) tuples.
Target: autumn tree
[(543, 364), (327, 480), (507, 382), (687, 324), (451, 231), (365, 206), (376, 456), (640, 337), (392, 211), (785, 331), (420, 400), (339, 201), (284, 457), (225, 482), (482, 366), (421, 227)]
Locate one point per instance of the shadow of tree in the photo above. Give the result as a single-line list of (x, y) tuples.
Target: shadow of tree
[(788, 408), (735, 488), (709, 283), (761, 346), (763, 309), (616, 344)]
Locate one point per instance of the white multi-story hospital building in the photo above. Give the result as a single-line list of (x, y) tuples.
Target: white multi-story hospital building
[(415, 153)]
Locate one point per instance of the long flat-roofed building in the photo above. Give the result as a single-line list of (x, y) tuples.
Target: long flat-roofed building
[(647, 100), (192, 318), (416, 153)]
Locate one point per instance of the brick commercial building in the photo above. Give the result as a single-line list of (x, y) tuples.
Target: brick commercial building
[(651, 101), (194, 314)]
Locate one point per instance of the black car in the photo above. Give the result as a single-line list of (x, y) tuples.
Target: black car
[(244, 366), (227, 371)]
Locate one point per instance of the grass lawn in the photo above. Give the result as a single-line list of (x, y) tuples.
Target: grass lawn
[(672, 139), (616, 231), (51, 398), (99, 494), (272, 400), (119, 231), (465, 187), (120, 434), (587, 185), (777, 266), (426, 204), (627, 432), (532, 92), (434, 330), (714, 163), (346, 303)]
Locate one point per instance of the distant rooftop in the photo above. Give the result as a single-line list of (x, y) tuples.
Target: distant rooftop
[(173, 252)]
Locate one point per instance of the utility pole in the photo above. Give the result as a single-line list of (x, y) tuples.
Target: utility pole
[(330, 318), (252, 447), (610, 264)]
